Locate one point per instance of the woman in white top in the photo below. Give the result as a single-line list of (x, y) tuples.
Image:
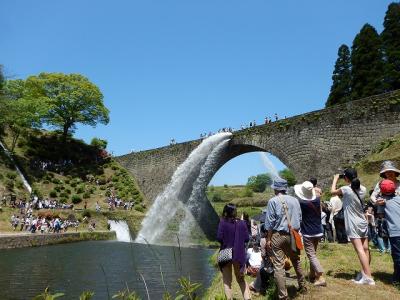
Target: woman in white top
[(356, 224)]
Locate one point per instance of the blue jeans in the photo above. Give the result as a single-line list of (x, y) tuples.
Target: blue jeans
[(383, 244), (395, 244)]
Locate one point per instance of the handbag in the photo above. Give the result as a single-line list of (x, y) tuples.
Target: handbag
[(339, 216), (226, 255), (296, 243)]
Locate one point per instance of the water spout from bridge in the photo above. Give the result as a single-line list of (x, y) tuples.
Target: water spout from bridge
[(178, 191), (269, 165), (197, 200)]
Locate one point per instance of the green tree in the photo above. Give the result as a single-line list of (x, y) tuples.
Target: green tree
[(288, 176), (23, 110), (258, 183), (99, 143), (71, 99), (341, 78), (367, 64), (391, 47)]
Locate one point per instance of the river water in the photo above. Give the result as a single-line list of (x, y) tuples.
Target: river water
[(73, 268)]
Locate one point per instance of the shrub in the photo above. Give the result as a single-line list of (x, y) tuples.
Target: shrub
[(73, 184), (86, 213), (103, 187), (67, 181), (115, 178), (68, 191), (56, 181), (1, 176), (57, 189), (11, 175), (53, 194), (101, 180), (216, 198), (46, 181), (247, 192), (19, 184), (76, 199), (225, 186), (80, 189), (64, 195), (86, 195), (63, 200), (139, 208), (10, 184)]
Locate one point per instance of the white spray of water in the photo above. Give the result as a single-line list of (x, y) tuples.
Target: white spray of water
[(269, 165), (195, 202), (121, 229), (24, 181), (167, 203)]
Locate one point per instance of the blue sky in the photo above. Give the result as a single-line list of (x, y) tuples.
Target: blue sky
[(175, 69)]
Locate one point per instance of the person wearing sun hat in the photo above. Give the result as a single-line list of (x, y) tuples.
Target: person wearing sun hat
[(278, 236), (311, 228), (388, 171)]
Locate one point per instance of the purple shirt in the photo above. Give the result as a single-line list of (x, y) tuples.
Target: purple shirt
[(234, 234)]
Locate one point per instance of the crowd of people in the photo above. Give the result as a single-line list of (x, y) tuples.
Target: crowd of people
[(35, 202), (32, 224), (301, 221)]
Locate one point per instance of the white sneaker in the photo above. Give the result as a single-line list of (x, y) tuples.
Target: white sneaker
[(358, 276), (365, 280)]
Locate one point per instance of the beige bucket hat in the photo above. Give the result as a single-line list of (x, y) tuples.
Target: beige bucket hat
[(305, 191)]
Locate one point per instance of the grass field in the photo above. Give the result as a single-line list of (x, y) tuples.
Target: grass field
[(340, 263)]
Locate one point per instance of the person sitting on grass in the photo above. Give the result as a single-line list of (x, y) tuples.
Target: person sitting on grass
[(266, 271), (254, 259)]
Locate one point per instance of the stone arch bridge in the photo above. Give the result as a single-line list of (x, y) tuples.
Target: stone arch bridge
[(312, 144)]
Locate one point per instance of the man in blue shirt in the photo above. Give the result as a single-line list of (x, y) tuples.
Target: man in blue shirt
[(278, 237)]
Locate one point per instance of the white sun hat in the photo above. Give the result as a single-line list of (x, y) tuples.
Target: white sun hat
[(305, 191)]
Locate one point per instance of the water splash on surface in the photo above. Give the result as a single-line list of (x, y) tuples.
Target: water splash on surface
[(121, 229), (178, 191)]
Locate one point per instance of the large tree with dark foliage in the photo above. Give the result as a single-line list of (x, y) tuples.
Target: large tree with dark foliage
[(367, 64), (341, 78), (391, 47)]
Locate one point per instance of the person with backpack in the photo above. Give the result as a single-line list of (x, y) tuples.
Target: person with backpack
[(390, 200), (356, 224), (388, 171), (311, 228)]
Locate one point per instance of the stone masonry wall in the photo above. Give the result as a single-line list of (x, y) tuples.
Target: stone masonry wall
[(37, 239)]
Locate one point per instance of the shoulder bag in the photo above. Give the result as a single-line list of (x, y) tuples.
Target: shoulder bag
[(296, 243)]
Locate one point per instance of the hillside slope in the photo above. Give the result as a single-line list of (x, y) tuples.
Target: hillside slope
[(73, 173)]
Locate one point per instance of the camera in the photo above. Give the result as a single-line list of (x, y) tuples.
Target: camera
[(341, 176)]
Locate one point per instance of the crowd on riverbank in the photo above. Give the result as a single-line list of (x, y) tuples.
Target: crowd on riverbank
[(33, 224), (301, 222)]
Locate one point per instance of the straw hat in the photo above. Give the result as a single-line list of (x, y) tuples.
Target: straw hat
[(388, 165), (305, 191)]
